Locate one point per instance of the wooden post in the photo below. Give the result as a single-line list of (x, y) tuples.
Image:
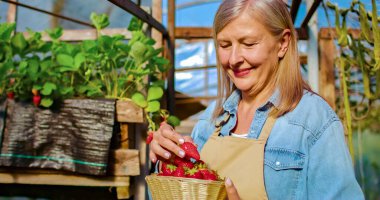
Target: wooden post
[(327, 53), (171, 30), (12, 13), (157, 14)]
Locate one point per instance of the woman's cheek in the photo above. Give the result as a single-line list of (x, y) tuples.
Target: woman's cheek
[(223, 57)]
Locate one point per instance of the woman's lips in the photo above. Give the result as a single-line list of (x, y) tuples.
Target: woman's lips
[(241, 72)]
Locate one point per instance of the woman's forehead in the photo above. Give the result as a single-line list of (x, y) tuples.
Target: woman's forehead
[(243, 26)]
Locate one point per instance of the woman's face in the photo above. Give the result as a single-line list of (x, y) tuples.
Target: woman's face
[(248, 53)]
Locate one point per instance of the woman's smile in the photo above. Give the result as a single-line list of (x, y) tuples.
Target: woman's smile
[(240, 73)]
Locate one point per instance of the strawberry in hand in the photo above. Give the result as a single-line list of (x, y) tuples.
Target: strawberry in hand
[(190, 150)]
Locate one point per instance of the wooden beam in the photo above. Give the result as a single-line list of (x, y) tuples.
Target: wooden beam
[(13, 176), (327, 53), (135, 10), (310, 13), (193, 32), (328, 33), (49, 13), (195, 68), (206, 32), (85, 34), (294, 9)]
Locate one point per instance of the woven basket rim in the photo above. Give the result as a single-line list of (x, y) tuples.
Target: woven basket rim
[(174, 178)]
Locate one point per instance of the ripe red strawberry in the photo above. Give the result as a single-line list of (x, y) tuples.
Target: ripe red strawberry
[(209, 174), (37, 100), (149, 138), (179, 172), (181, 162), (190, 150), (167, 169), (194, 173), (10, 95)]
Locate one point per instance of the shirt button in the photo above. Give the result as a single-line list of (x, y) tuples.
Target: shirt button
[(278, 163)]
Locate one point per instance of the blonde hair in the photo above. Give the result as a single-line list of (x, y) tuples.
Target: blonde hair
[(274, 15)]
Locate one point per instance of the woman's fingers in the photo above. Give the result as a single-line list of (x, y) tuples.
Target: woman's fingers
[(152, 156), (165, 143), (169, 133), (231, 190), (159, 151), (188, 139)]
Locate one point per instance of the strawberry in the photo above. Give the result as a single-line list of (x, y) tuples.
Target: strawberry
[(194, 173), (179, 172), (11, 95), (209, 174), (37, 100), (190, 150), (181, 162), (167, 169), (149, 138)]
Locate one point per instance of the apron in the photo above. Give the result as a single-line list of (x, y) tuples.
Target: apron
[(240, 159)]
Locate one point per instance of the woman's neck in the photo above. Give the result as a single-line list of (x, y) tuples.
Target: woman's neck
[(251, 99)]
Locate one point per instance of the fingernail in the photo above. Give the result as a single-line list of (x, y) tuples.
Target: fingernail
[(228, 182), (181, 153), (153, 160), (167, 155), (181, 141)]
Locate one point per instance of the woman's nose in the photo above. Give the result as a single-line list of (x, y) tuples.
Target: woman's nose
[(236, 57)]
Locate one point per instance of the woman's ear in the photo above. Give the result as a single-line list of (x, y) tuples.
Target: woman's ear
[(284, 43)]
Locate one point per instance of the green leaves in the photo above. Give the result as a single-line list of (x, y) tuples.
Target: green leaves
[(65, 60), (6, 31), (19, 42), (153, 106), (173, 120), (135, 24), (155, 93), (99, 21), (48, 88), (46, 102), (139, 99), (55, 33)]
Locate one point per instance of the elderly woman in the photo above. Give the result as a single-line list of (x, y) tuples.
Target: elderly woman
[(268, 133)]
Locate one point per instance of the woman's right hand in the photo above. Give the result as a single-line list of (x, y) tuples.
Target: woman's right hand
[(165, 143)]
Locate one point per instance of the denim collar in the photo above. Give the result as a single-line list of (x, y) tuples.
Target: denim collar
[(231, 104)]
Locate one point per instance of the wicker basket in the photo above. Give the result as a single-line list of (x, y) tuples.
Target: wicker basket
[(176, 188)]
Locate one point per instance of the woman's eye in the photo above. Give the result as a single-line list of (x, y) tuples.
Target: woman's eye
[(249, 44), (224, 45)]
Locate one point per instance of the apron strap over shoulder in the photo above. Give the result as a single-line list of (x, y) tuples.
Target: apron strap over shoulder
[(269, 123), (220, 122)]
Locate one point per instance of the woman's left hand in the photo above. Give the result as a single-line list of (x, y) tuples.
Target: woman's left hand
[(232, 193)]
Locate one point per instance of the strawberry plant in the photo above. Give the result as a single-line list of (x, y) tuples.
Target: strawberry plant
[(45, 72)]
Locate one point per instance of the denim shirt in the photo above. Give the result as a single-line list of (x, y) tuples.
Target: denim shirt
[(306, 156)]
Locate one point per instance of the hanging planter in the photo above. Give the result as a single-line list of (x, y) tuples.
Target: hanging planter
[(52, 118)]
